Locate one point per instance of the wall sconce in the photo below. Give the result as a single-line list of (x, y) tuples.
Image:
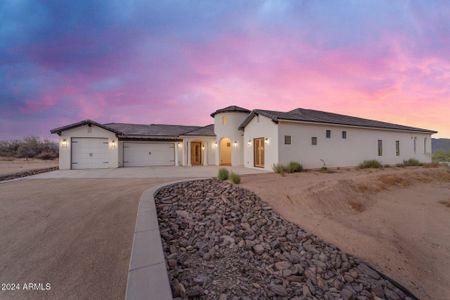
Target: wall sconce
[(203, 146), (249, 142), (266, 140), (214, 144), (180, 145), (64, 143), (113, 144), (235, 143)]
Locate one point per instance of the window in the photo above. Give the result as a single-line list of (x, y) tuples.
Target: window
[(425, 145), (397, 148), (224, 120), (287, 139), (380, 147), (314, 140), (344, 134), (328, 133)]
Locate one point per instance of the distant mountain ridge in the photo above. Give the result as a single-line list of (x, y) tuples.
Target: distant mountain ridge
[(440, 144)]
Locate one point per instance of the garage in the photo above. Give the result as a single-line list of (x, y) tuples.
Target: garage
[(145, 154), (89, 153)]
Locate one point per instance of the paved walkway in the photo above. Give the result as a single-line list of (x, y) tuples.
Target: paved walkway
[(145, 172)]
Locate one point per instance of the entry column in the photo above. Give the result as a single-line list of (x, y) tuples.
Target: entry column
[(205, 153), (176, 153)]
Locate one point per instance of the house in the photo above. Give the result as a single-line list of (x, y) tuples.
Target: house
[(240, 137)]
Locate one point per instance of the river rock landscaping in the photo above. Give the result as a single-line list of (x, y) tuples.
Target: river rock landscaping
[(224, 242)]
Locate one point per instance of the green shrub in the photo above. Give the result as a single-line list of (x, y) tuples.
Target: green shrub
[(411, 162), (441, 155), (370, 164), (294, 167), (235, 178), (223, 174), (29, 147), (279, 169)]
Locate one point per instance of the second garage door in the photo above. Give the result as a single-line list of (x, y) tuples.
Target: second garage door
[(148, 154)]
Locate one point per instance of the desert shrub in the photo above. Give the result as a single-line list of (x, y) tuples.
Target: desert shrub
[(386, 166), (370, 164), (294, 167), (235, 178), (431, 165), (440, 156), (411, 162), (279, 169), (223, 174), (29, 147)]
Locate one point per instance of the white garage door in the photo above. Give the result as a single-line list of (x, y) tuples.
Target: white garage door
[(89, 153), (148, 154)]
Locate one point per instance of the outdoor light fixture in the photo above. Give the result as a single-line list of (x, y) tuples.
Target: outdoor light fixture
[(113, 143), (266, 140), (64, 143), (214, 144), (249, 142), (203, 147), (235, 143), (180, 144)]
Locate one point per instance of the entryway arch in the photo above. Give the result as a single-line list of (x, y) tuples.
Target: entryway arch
[(225, 152)]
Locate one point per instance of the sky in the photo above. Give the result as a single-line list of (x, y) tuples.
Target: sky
[(177, 61)]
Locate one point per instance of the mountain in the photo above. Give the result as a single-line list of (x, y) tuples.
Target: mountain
[(440, 144)]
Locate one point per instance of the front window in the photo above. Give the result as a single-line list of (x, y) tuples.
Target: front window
[(287, 139), (397, 148), (224, 120), (380, 147), (328, 133), (344, 134)]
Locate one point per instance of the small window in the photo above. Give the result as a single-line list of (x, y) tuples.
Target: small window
[(344, 134), (314, 140), (415, 144), (425, 145), (380, 147), (224, 120), (287, 139), (397, 148), (328, 133)]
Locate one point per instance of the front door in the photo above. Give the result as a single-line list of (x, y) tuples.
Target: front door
[(258, 152), (196, 153)]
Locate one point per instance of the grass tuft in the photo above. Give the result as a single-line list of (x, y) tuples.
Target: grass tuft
[(279, 169), (235, 178), (294, 167), (370, 164), (411, 162), (223, 174)]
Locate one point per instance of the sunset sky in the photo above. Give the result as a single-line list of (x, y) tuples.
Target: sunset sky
[(176, 62)]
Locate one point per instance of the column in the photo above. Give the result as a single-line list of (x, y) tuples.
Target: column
[(176, 153), (189, 153), (205, 153)]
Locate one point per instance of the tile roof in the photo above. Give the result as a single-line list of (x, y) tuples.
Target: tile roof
[(316, 116), (207, 130), (231, 108)]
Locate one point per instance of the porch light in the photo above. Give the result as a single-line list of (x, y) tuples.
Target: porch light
[(214, 144), (113, 144), (235, 143), (203, 147), (180, 145), (266, 140), (64, 143), (249, 142)]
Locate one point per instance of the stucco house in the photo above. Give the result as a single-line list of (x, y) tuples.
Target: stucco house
[(240, 137)]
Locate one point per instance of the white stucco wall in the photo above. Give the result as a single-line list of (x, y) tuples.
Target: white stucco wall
[(258, 127), (86, 131), (230, 130), (361, 144)]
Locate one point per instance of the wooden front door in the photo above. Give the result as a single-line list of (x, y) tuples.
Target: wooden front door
[(196, 153), (258, 152)]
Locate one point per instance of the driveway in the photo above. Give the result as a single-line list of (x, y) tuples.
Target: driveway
[(146, 172), (75, 234)]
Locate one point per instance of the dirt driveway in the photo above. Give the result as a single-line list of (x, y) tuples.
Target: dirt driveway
[(396, 219), (75, 234)]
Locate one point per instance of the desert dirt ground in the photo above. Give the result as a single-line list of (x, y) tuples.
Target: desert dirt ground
[(12, 166), (75, 234), (397, 219)]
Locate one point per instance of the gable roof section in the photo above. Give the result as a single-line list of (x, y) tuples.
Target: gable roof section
[(317, 116), (207, 130), (231, 108), (58, 130)]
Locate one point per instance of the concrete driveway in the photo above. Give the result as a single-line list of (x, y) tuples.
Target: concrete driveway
[(145, 172)]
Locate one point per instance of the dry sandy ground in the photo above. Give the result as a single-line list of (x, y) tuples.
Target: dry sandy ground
[(75, 234), (395, 218), (8, 166)]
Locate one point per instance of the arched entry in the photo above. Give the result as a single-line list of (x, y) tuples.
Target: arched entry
[(225, 152)]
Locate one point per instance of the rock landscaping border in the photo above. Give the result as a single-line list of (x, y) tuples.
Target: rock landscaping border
[(26, 173), (223, 242)]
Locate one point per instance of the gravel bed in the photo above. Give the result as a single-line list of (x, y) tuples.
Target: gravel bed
[(223, 242), (26, 173)]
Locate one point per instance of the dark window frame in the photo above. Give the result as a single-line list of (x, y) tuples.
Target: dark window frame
[(287, 140), (344, 134), (314, 140), (380, 147), (397, 148), (328, 133)]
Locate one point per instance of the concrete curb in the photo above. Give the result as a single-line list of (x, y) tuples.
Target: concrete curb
[(147, 273)]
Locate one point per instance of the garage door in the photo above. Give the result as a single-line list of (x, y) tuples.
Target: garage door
[(89, 153), (148, 154)]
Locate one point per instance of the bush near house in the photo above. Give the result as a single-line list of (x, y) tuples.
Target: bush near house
[(441, 156), (370, 164), (29, 147), (411, 162), (279, 169), (235, 178), (223, 174), (294, 167)]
